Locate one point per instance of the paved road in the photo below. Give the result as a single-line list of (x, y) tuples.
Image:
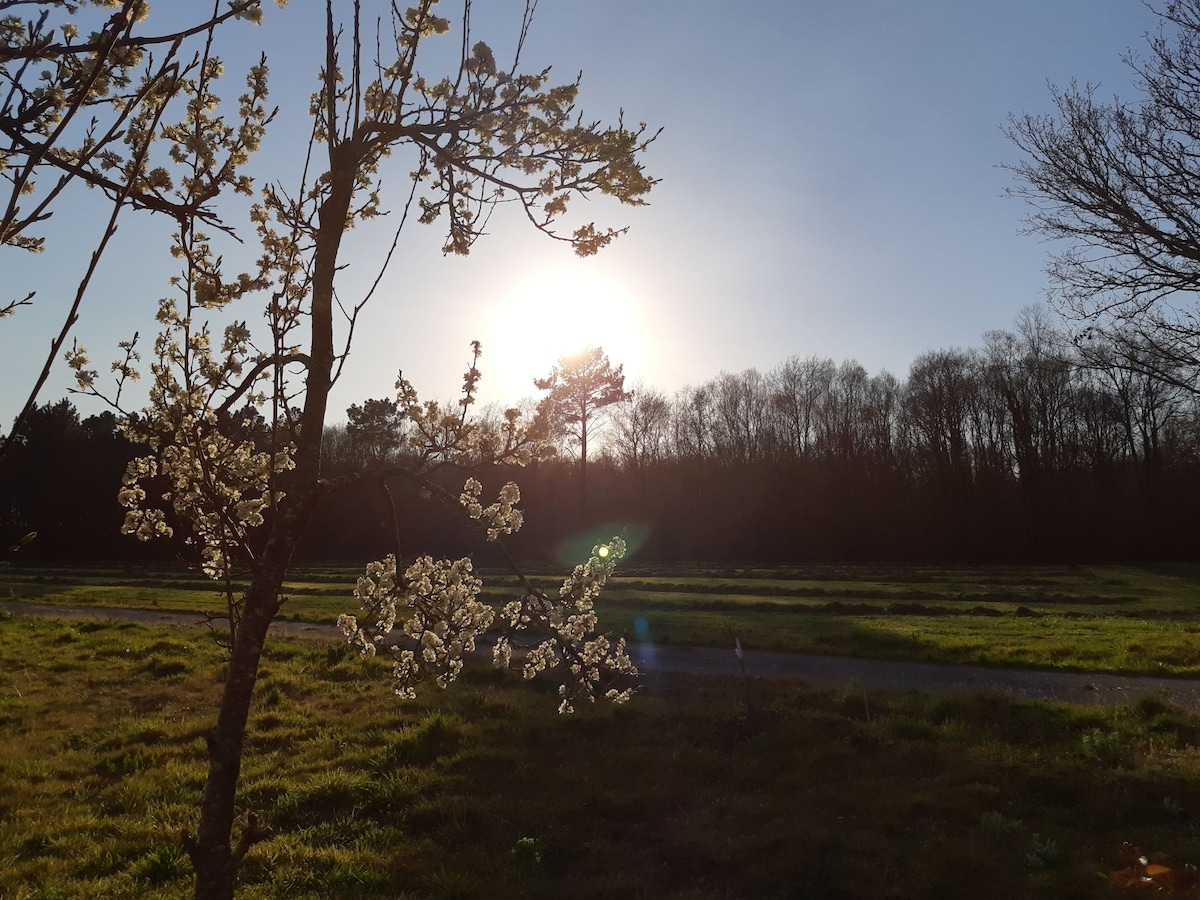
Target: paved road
[(817, 671)]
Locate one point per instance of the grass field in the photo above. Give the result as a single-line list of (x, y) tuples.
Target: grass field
[(483, 792), (1125, 619)]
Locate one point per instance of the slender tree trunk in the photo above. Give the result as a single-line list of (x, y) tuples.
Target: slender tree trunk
[(583, 434), (214, 857)]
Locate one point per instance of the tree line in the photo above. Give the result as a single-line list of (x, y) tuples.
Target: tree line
[(1031, 446), (1036, 445)]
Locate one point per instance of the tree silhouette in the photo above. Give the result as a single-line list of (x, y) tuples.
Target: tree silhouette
[(377, 427), (60, 479), (1119, 183), (580, 387)]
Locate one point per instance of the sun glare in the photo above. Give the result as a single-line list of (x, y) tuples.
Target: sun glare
[(554, 312)]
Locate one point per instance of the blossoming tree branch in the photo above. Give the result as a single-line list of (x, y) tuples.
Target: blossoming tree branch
[(482, 135), (82, 102)]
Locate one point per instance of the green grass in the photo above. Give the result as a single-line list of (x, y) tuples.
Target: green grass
[(1124, 619), (484, 792)]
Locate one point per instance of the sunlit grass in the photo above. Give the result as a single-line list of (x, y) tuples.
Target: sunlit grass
[(1127, 619), (484, 792), (1130, 646)]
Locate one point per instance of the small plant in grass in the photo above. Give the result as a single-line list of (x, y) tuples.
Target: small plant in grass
[(161, 866), (1043, 853), (126, 764), (998, 828), (1103, 746), (527, 853)]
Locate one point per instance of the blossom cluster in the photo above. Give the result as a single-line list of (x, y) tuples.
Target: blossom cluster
[(220, 485), (214, 478), (502, 517), (444, 620), (585, 660), (440, 433)]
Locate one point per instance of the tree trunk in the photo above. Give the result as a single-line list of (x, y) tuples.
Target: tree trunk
[(583, 436), (213, 855), (214, 858)]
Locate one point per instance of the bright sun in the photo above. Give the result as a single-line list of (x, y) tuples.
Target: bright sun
[(553, 312)]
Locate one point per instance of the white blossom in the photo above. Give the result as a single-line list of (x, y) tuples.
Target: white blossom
[(499, 519), (435, 604), (444, 618)]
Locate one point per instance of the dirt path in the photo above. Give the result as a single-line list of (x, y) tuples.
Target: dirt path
[(817, 671)]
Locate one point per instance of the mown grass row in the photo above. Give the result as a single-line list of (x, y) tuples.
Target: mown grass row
[(1123, 619), (483, 792), (1103, 585)]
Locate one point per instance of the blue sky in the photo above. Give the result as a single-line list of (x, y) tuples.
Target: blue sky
[(831, 184)]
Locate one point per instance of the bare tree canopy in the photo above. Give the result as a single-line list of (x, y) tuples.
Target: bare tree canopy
[(1119, 181)]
